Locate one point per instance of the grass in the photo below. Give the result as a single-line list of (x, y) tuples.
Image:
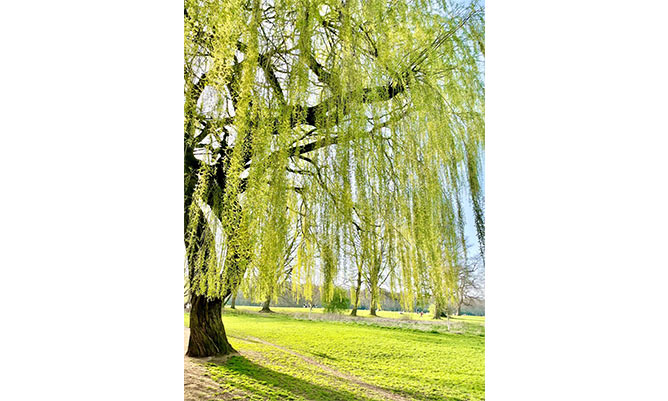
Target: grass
[(415, 364), (458, 324)]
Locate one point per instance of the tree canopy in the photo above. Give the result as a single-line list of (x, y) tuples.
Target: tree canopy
[(317, 127)]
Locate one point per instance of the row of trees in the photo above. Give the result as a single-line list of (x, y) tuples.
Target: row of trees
[(469, 294), (358, 290), (324, 136)]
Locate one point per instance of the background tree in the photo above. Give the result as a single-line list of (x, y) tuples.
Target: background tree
[(356, 283), (375, 214), (284, 103), (338, 303), (272, 281), (233, 299), (375, 273), (469, 285)]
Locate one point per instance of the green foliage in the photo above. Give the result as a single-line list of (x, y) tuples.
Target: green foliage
[(444, 311), (316, 129), (339, 302)]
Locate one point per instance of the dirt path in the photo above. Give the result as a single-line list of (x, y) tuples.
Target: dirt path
[(197, 385), (379, 391)]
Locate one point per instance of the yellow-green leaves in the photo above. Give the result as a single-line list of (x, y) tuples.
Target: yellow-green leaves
[(343, 134)]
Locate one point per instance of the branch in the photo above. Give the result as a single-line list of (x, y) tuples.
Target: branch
[(324, 76), (394, 87), (268, 68), (198, 88), (352, 98), (323, 142)]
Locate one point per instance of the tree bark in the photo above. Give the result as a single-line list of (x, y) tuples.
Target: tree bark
[(357, 293), (265, 306), (207, 333), (373, 306), (374, 277), (437, 310), (234, 300)]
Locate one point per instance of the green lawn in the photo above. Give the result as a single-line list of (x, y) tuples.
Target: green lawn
[(362, 313), (458, 324), (415, 364)]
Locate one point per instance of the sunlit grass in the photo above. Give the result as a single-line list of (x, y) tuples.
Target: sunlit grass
[(456, 324), (416, 364), (364, 313)]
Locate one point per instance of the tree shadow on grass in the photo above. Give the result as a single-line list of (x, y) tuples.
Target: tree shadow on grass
[(430, 337), (270, 384), (325, 356), (433, 397), (443, 390)]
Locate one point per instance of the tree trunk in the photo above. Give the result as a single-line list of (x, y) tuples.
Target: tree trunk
[(207, 333), (357, 293), (374, 276), (265, 306), (373, 305), (234, 301), (438, 311)]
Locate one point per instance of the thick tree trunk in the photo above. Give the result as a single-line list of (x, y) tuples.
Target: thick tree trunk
[(265, 306), (357, 293), (207, 333)]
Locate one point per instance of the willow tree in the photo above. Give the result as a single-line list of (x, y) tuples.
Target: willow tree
[(286, 101)]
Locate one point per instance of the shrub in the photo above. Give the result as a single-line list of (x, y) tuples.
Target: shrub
[(444, 313), (339, 302)]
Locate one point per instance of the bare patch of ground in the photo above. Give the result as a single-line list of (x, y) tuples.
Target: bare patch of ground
[(197, 385)]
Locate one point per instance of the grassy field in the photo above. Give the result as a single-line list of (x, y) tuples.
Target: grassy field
[(361, 313), (286, 357), (459, 324)]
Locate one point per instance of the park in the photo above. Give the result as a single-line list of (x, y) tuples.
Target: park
[(334, 224)]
